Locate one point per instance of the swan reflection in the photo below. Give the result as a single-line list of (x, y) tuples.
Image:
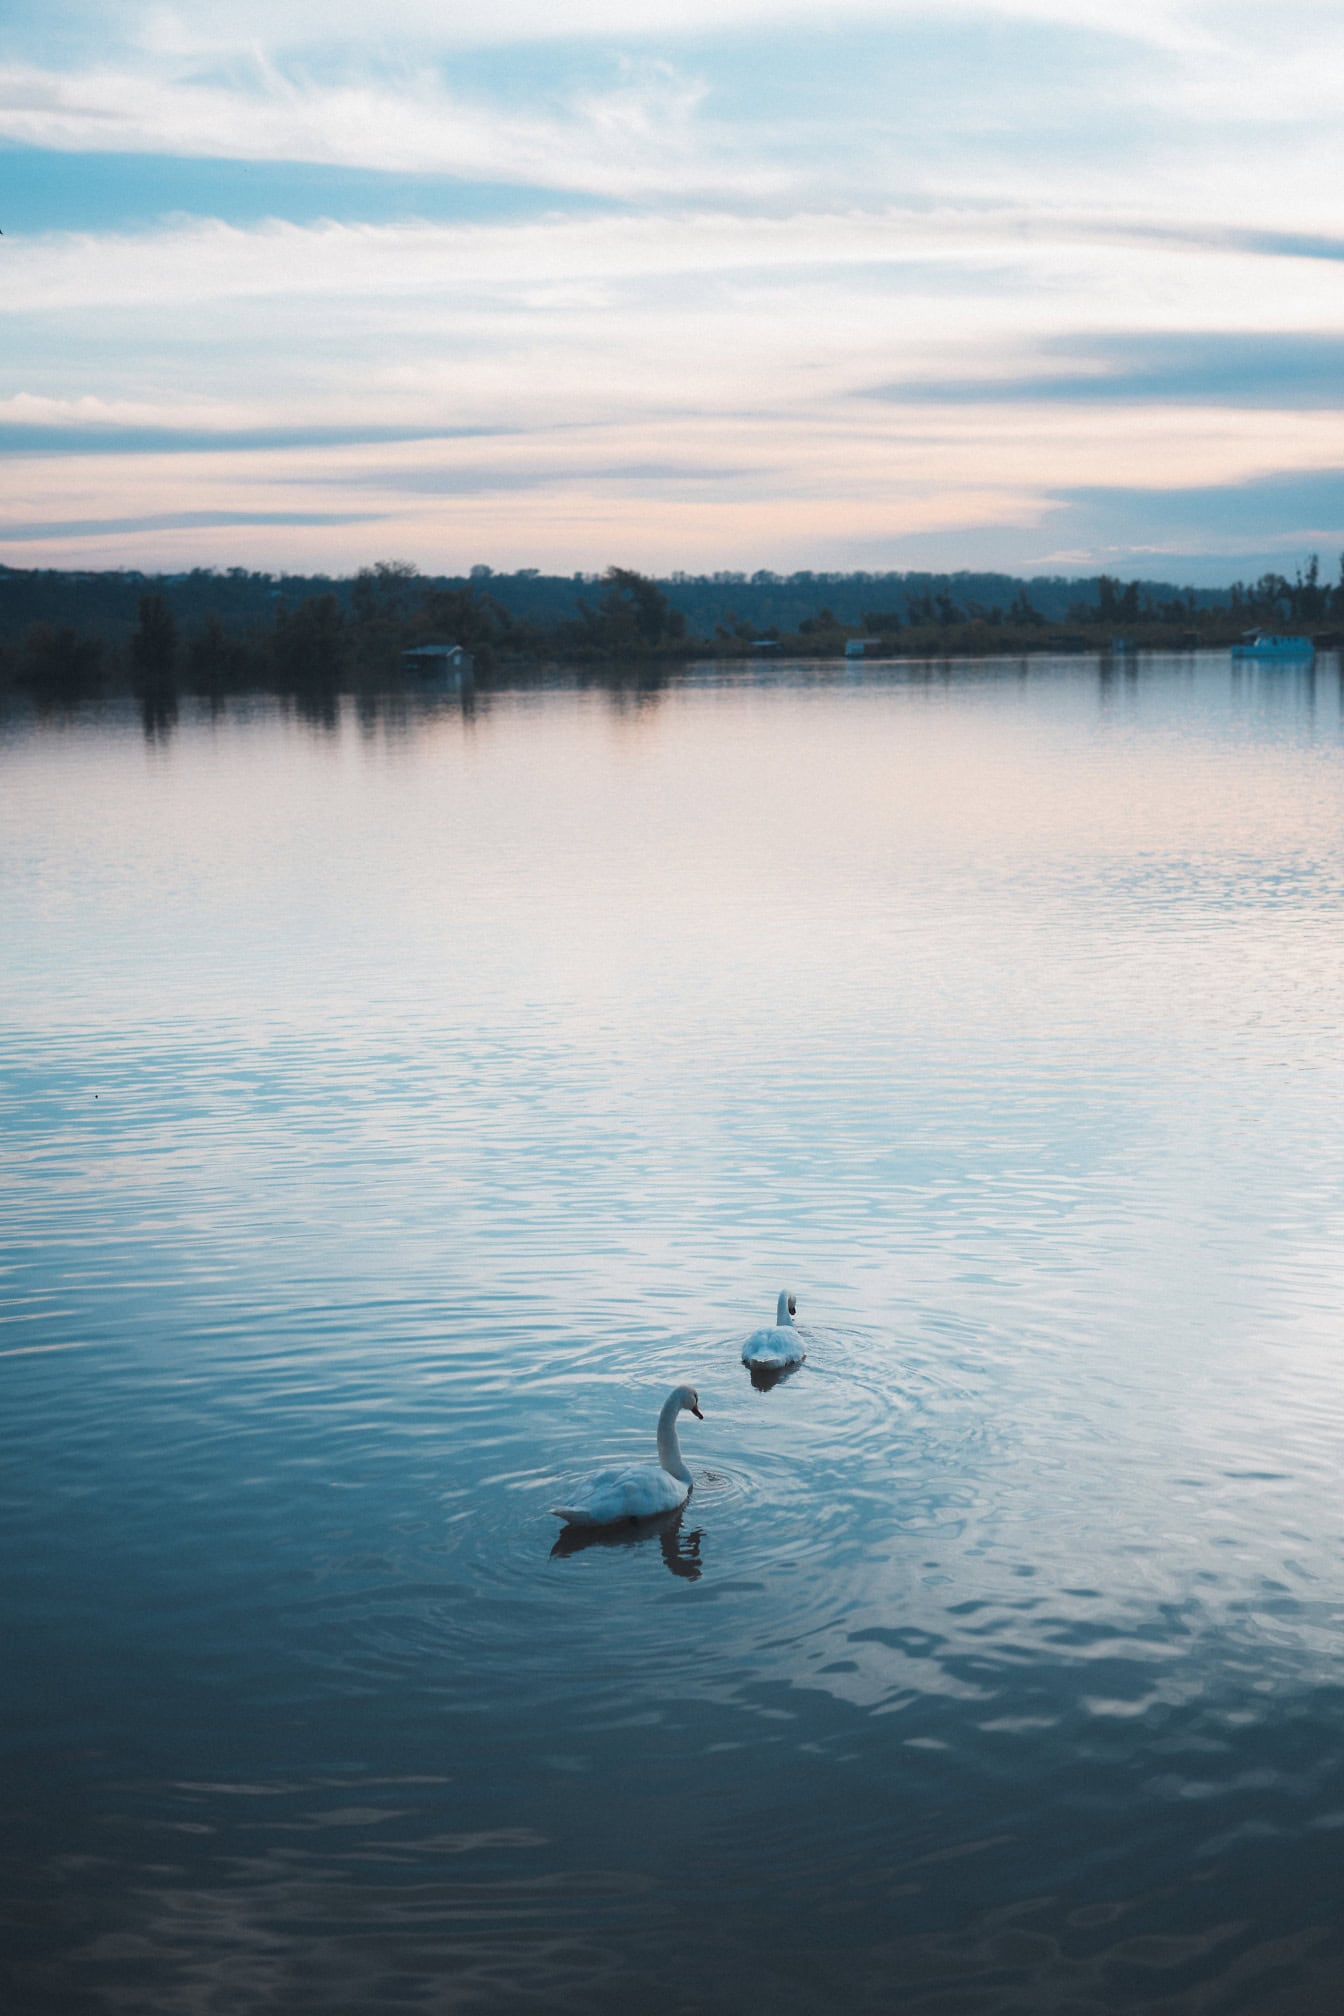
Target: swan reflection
[(681, 1551), (763, 1377)]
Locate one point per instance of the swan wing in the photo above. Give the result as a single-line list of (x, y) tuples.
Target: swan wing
[(638, 1492), (775, 1346)]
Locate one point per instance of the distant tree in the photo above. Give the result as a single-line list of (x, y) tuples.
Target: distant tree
[(216, 657), (154, 645), (634, 614), (59, 662), (462, 616), (1273, 598), (382, 593), (1309, 599), (823, 620), (733, 630), (310, 643)]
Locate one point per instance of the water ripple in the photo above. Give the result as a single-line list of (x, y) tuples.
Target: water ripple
[(378, 1163)]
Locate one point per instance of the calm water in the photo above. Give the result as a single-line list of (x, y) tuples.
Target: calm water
[(395, 1107)]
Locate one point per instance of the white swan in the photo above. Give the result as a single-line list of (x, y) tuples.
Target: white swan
[(641, 1489), (770, 1350)]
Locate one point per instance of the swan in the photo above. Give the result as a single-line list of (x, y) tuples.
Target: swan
[(640, 1490), (771, 1349)]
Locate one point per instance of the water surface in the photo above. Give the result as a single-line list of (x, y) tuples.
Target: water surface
[(397, 1102)]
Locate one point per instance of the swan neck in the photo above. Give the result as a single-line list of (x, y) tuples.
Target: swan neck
[(783, 1320), (669, 1449)]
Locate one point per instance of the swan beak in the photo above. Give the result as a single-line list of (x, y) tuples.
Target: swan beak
[(698, 1415)]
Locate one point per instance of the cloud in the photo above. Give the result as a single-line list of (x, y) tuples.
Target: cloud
[(277, 439), (20, 533), (593, 473), (1052, 267), (1207, 368), (746, 101), (193, 29), (639, 134), (1286, 513)]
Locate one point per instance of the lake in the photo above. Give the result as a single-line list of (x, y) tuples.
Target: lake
[(400, 1097)]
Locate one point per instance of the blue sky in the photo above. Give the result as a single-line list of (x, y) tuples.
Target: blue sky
[(1018, 283)]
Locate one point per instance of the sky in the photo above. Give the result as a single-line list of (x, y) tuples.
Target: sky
[(1052, 286)]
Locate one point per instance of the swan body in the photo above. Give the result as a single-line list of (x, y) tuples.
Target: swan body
[(780, 1345), (639, 1490)]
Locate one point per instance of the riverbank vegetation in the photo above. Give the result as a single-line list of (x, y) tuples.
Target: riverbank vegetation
[(65, 635)]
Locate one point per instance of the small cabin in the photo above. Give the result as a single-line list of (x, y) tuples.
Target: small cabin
[(859, 647), (439, 661)]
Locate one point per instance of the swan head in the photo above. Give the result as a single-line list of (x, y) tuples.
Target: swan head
[(689, 1399), (788, 1307)]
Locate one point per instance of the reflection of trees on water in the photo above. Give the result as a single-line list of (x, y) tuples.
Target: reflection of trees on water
[(680, 1550), (158, 712), (316, 707), (402, 707), (631, 690)]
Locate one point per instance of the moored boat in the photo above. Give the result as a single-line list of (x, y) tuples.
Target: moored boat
[(1268, 644)]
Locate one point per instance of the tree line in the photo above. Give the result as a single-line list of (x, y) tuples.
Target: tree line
[(211, 632)]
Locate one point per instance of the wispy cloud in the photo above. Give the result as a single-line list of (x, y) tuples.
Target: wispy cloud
[(39, 439), (1211, 367), (170, 521), (640, 135), (194, 29)]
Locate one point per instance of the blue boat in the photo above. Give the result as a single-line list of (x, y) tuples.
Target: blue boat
[(1266, 644)]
